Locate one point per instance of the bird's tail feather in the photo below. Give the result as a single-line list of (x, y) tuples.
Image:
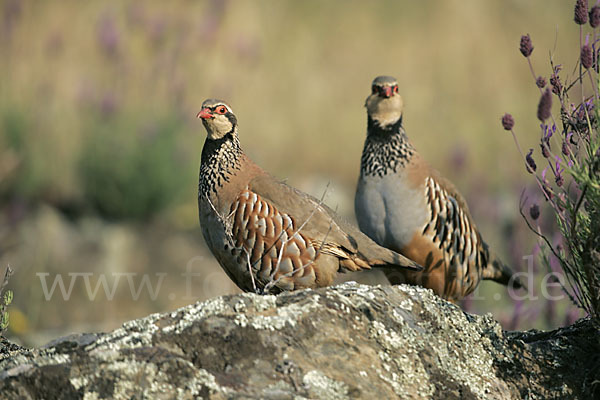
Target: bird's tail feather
[(390, 259), (499, 272)]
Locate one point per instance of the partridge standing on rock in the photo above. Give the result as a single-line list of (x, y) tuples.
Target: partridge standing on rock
[(265, 234), (404, 204)]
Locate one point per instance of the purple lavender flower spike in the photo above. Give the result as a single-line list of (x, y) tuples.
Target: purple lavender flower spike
[(555, 80), (581, 12), (540, 82), (534, 212), (559, 180), (531, 167), (508, 121), (525, 46), (545, 106), (586, 56), (544, 147), (548, 130), (558, 171), (595, 16), (565, 148)]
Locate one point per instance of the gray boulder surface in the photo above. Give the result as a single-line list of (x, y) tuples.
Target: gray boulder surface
[(344, 342)]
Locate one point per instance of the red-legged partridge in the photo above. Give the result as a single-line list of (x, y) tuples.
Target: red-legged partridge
[(266, 235), (404, 204)]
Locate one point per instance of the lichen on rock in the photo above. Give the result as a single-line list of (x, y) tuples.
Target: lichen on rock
[(347, 341)]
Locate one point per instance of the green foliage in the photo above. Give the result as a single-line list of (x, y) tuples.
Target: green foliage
[(126, 171), (132, 175), (27, 179), (578, 217), (6, 298), (570, 181)]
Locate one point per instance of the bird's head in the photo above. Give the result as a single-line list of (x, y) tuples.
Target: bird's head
[(218, 119), (384, 104)]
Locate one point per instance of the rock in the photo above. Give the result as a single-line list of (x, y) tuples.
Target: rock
[(343, 342)]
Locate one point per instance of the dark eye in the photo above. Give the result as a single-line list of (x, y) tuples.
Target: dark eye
[(395, 88), (221, 110), (373, 89)]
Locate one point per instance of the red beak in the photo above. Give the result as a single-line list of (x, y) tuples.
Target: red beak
[(387, 92), (204, 113)]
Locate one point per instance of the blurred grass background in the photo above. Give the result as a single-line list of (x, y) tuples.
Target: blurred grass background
[(99, 145)]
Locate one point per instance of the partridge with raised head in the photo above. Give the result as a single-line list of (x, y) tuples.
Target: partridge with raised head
[(402, 203), (268, 236)]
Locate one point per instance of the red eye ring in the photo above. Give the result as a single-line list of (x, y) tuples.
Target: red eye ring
[(396, 89), (221, 110)]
